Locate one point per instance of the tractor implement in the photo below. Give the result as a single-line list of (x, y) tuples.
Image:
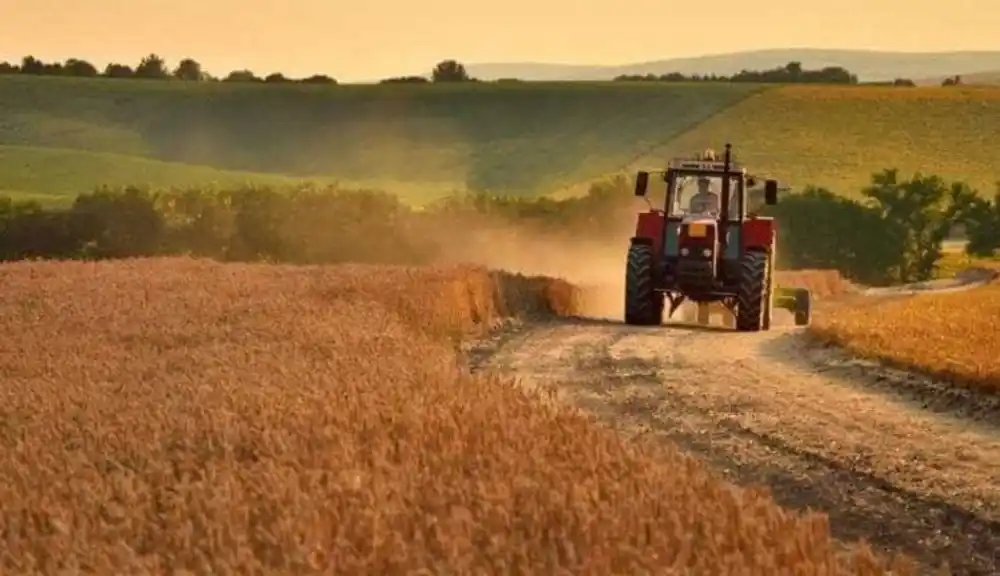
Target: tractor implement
[(707, 247)]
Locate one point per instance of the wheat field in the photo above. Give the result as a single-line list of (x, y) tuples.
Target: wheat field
[(183, 416), (949, 335)]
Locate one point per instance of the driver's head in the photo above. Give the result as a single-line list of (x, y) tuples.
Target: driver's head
[(704, 185)]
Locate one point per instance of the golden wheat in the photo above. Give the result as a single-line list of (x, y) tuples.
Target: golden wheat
[(169, 414), (951, 335)]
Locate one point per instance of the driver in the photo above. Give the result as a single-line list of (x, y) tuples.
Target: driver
[(705, 200)]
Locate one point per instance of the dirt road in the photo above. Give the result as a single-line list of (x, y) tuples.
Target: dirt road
[(897, 460)]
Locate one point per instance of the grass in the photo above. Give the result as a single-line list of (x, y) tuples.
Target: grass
[(838, 136), (54, 176), (172, 414), (519, 137)]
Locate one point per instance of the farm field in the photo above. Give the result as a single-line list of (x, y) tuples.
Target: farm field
[(518, 138), (424, 142), (169, 414), (838, 136), (949, 335)]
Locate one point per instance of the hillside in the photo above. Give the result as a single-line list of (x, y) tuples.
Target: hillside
[(519, 138), (53, 173), (867, 64), (54, 176), (62, 136), (837, 137)]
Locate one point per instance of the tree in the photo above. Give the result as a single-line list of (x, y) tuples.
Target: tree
[(190, 70), (794, 70), (318, 79), (982, 225), (114, 70), (241, 76), (152, 67), (8, 68), (76, 67), (918, 215), (952, 81), (450, 71), (32, 65), (276, 78)]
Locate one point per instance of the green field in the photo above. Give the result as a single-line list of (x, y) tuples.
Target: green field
[(53, 176), (838, 136), (62, 136)]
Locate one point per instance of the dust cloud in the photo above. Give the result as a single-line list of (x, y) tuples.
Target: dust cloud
[(595, 265)]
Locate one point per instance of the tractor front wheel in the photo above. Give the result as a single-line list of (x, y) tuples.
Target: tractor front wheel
[(751, 299), (643, 304)]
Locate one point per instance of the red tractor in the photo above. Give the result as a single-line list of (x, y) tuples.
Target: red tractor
[(703, 246)]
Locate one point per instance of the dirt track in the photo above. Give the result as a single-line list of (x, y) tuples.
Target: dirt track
[(902, 462)]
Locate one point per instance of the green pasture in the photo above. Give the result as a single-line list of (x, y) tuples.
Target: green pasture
[(54, 176), (62, 136), (520, 138)]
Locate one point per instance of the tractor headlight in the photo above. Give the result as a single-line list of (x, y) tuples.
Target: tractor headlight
[(706, 252), (685, 251)]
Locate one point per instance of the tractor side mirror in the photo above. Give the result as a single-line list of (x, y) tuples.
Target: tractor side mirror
[(641, 183), (771, 192)]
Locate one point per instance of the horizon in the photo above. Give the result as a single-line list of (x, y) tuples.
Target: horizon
[(364, 42), (172, 62)]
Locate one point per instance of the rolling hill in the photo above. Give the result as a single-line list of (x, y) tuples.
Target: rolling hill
[(869, 65), (521, 138), (61, 136), (838, 136)]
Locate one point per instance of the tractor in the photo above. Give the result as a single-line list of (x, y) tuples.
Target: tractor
[(705, 246)]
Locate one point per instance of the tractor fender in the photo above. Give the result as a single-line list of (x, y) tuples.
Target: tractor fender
[(649, 228)]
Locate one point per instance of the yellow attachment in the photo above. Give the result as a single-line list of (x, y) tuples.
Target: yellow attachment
[(696, 230)]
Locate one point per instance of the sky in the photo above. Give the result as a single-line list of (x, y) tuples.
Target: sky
[(360, 41)]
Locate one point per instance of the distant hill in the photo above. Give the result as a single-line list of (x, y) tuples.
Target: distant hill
[(867, 64)]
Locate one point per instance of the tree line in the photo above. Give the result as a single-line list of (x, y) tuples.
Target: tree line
[(155, 67), (791, 73), (893, 233), (304, 225)]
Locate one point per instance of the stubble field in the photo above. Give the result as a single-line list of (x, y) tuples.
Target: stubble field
[(173, 414)]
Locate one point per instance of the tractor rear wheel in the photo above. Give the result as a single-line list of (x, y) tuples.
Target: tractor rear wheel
[(751, 298), (643, 304)]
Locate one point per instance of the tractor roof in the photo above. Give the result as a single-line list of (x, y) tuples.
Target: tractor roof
[(703, 162)]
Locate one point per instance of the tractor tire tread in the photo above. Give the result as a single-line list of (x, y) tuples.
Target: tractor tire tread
[(643, 306), (752, 293)]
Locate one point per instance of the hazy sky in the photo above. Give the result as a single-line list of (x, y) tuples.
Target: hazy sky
[(358, 40)]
